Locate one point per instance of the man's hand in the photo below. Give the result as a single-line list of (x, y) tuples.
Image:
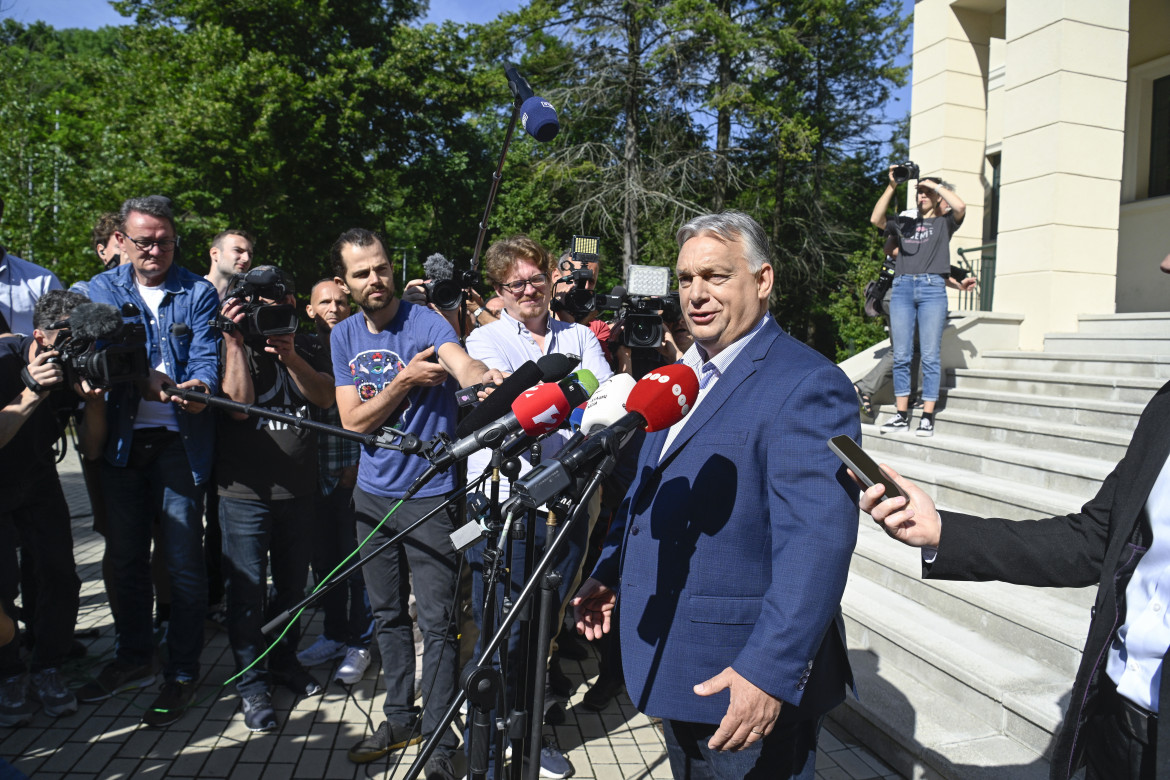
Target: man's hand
[(916, 525), (593, 608), (282, 347), (87, 392), (234, 311), (421, 371), (154, 391), (416, 291), (750, 716), (46, 374)]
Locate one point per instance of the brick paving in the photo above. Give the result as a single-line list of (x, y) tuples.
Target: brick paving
[(106, 740)]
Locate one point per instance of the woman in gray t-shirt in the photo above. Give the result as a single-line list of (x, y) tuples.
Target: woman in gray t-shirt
[(918, 300)]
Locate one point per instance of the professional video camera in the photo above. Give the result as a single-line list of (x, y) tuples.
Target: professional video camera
[(644, 305), (906, 171), (260, 319), (446, 285), (582, 300), (96, 344)]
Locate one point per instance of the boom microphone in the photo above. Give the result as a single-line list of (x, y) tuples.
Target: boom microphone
[(438, 267), (94, 321), (537, 115)]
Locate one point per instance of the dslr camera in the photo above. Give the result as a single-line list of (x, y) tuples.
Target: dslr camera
[(260, 318), (97, 344), (582, 300), (446, 285), (906, 171), (645, 306)]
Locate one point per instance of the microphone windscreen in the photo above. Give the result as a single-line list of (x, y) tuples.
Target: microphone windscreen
[(578, 386), (500, 401), (554, 367), (541, 409), (618, 291), (539, 119), (93, 321), (438, 267), (608, 404), (664, 396), (576, 416)]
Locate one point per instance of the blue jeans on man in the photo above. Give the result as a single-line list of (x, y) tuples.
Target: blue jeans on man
[(157, 482), (255, 532), (918, 300)]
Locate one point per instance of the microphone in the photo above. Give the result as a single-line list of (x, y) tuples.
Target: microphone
[(498, 403), (608, 404), (94, 321), (537, 115), (554, 366), (438, 267), (657, 401)]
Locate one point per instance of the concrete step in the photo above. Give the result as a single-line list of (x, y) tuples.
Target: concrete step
[(921, 733), (1073, 412), (1121, 344), (1061, 472), (1157, 366), (1097, 387), (994, 683), (1043, 623), (1132, 323)]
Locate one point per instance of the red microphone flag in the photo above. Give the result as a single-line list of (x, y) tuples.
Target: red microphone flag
[(664, 396), (541, 409)]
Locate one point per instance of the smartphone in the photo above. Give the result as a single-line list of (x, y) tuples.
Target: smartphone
[(863, 466)]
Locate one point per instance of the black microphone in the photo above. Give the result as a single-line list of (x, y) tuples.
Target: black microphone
[(499, 402), (438, 267), (180, 329), (555, 366), (94, 321), (537, 115)]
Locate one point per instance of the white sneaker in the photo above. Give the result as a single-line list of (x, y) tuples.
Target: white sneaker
[(321, 651), (353, 668)]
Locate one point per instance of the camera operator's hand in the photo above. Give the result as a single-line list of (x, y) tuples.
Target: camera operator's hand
[(233, 310), (89, 393), (282, 347), (47, 375), (421, 371), (415, 291), (890, 173)]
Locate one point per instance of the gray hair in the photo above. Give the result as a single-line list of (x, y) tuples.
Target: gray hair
[(730, 226), (157, 206)]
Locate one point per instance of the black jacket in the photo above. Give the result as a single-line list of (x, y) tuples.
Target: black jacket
[(1101, 544)]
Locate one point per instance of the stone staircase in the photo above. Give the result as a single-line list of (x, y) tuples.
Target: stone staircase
[(971, 680)]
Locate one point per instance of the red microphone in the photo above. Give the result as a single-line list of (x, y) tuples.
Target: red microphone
[(664, 396), (541, 409)]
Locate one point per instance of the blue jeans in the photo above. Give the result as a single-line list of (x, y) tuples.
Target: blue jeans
[(918, 300), (347, 607), (789, 752), (157, 482), (253, 531)]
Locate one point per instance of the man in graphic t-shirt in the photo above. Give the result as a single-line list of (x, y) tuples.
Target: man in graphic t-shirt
[(391, 367)]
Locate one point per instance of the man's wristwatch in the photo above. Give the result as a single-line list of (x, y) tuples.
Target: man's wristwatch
[(478, 311)]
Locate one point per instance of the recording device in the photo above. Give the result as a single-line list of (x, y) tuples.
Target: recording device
[(445, 290), (581, 300), (537, 115), (658, 400), (875, 291), (260, 318), (646, 305), (863, 466), (550, 368), (98, 345), (608, 404), (905, 171)]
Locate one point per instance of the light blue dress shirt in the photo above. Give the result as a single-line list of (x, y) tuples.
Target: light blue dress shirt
[(21, 284)]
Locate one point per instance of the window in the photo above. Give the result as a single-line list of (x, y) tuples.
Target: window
[(1160, 139)]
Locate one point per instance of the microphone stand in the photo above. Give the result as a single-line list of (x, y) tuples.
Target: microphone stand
[(496, 178), (480, 682)]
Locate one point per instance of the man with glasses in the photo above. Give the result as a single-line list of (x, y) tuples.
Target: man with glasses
[(157, 458)]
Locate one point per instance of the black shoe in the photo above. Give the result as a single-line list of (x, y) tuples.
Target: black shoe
[(559, 683), (116, 677), (388, 737), (171, 703), (572, 646), (602, 693), (439, 768), (258, 712), (554, 713), (299, 681)]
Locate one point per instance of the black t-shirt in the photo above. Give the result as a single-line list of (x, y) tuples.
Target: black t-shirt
[(261, 459), (27, 460), (924, 244)]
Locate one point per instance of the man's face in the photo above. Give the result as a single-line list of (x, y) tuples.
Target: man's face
[(721, 299), (152, 263), (328, 305), (369, 276), (233, 255), (531, 301), (567, 266)]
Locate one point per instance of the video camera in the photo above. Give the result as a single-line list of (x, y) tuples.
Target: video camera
[(644, 306), (445, 290), (260, 318), (906, 171), (582, 300), (98, 345)]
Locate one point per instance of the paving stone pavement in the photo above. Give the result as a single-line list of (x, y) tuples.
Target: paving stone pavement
[(106, 740)]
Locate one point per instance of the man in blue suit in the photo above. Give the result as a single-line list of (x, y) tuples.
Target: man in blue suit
[(733, 544)]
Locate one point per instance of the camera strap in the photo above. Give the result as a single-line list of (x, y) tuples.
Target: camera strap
[(31, 383)]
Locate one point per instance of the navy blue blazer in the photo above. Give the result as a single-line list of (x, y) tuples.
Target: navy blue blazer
[(733, 546)]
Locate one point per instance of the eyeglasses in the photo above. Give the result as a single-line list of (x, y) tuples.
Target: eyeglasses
[(538, 282), (164, 244)]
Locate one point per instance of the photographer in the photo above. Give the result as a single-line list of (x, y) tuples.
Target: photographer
[(918, 299), (157, 458), (33, 510), (266, 473), (569, 266)]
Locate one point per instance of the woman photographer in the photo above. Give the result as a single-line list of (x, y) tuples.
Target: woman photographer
[(919, 297)]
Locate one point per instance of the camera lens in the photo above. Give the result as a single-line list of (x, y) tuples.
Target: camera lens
[(446, 294)]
